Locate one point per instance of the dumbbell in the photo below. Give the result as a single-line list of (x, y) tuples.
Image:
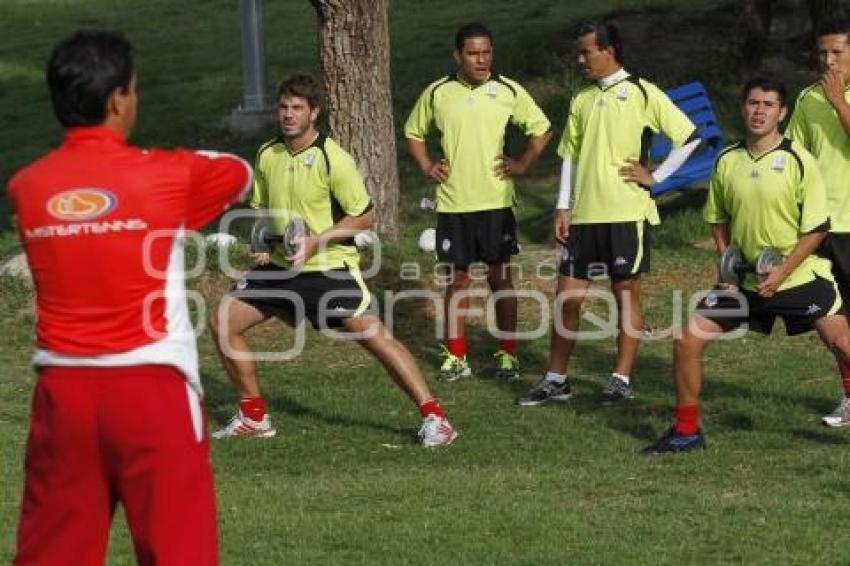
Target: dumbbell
[(732, 265), (264, 239)]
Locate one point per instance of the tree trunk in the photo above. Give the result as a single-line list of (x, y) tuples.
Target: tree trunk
[(354, 45)]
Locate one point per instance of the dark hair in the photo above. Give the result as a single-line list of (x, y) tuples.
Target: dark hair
[(607, 35), (474, 29), (83, 71), (767, 84), (835, 26), (302, 86)]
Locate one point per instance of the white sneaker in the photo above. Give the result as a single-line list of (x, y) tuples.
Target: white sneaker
[(240, 425), (840, 416), (436, 431)]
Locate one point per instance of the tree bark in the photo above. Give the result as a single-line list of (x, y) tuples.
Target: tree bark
[(354, 46)]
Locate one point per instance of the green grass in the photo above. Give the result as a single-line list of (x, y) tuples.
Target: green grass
[(345, 483)]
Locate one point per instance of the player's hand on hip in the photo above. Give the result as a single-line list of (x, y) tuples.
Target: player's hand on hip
[(770, 282), (260, 258), (507, 167), (437, 171), (635, 172), (306, 246), (833, 87), (562, 225)]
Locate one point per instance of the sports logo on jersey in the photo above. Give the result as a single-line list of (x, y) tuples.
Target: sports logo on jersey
[(779, 163), (309, 160), (492, 90), (622, 93), (81, 204)]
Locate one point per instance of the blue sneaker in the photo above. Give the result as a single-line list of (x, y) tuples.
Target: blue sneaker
[(674, 443)]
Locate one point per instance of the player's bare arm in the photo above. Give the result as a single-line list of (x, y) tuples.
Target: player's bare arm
[(807, 244), (345, 229), (637, 173), (437, 171), (834, 86), (722, 239), (508, 167)]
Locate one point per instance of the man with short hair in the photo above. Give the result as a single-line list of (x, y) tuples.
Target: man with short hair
[(303, 175), (764, 192), (821, 123), (604, 210), (475, 193), (117, 413)]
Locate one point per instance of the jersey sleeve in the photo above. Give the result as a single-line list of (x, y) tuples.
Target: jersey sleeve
[(216, 180), (811, 197), (527, 115), (797, 129), (421, 118), (570, 144), (715, 211), (666, 117), (347, 187), (259, 190)]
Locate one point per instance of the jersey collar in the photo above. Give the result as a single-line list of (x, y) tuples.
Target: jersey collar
[(318, 141), (612, 79), (783, 145), (493, 77), (93, 133)]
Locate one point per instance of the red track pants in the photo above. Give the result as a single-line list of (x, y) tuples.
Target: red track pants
[(103, 435)]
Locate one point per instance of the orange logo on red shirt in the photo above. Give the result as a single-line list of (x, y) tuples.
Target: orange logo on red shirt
[(81, 204)]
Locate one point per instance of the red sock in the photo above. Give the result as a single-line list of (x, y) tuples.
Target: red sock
[(457, 346), (508, 346), (431, 407), (253, 407), (845, 378), (687, 419)]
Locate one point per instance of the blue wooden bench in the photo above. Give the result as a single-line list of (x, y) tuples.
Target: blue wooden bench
[(693, 100)]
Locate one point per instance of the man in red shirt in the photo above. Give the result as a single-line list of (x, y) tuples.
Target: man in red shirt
[(116, 414)]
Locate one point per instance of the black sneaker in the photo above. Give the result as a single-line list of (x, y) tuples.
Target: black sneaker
[(544, 392), (615, 390), (675, 443)]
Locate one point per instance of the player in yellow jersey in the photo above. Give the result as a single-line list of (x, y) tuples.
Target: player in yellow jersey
[(475, 194), (304, 174), (604, 210), (764, 192), (821, 124)]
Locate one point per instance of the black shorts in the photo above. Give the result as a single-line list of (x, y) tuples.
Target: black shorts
[(614, 249), (799, 307), (464, 238), (326, 298), (836, 248)]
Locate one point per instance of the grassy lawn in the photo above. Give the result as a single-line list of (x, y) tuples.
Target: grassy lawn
[(344, 482)]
